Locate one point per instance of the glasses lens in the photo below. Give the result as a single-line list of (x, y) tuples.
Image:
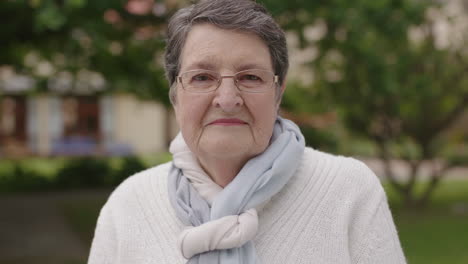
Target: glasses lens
[(199, 81), (254, 80)]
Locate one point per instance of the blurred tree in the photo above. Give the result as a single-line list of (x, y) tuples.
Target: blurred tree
[(393, 75), (381, 65), (115, 45)]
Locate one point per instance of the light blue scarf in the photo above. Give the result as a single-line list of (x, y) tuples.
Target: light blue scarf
[(261, 177)]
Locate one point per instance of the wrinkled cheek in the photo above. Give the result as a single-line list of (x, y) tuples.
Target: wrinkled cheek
[(265, 131), (190, 126)]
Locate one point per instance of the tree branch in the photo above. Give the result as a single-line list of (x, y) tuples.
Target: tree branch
[(435, 179), (388, 172), (452, 116)]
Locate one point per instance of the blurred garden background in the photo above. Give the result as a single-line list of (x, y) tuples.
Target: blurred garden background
[(83, 105)]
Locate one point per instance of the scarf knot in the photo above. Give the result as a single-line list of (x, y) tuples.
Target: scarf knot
[(227, 232)]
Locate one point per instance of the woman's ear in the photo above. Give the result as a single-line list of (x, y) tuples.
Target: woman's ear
[(283, 87), (281, 93)]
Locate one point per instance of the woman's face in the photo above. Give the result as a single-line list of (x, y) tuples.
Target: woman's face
[(225, 123)]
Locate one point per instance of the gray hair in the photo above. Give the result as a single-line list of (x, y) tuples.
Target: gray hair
[(239, 15)]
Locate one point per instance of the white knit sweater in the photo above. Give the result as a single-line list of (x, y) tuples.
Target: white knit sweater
[(333, 210)]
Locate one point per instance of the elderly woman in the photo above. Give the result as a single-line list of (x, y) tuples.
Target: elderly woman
[(242, 186)]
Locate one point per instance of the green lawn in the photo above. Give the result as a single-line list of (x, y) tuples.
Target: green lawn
[(82, 216), (437, 235), (433, 237)]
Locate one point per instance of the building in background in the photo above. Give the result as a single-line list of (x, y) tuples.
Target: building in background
[(82, 122)]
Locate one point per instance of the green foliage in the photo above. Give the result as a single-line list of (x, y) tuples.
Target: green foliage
[(24, 179), (300, 100), (83, 173), (384, 85), (130, 166), (73, 36), (44, 174), (320, 139)]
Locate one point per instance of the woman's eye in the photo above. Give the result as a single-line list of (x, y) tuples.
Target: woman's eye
[(202, 78), (250, 77)]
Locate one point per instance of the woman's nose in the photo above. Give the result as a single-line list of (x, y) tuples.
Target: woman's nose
[(227, 96)]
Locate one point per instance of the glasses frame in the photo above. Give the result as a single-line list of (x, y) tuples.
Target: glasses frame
[(221, 77)]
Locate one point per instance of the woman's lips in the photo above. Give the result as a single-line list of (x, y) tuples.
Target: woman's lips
[(228, 122)]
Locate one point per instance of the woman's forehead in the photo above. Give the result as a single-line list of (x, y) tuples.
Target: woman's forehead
[(216, 65), (212, 48)]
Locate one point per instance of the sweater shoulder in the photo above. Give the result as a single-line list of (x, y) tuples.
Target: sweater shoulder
[(139, 182), (349, 174)]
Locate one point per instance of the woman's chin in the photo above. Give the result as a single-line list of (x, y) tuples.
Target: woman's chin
[(226, 147)]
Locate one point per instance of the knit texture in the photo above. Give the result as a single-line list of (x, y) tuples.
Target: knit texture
[(333, 210)]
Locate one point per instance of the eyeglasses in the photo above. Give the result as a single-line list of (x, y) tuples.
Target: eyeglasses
[(204, 81)]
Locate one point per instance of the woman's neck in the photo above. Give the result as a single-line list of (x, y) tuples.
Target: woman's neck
[(222, 171)]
